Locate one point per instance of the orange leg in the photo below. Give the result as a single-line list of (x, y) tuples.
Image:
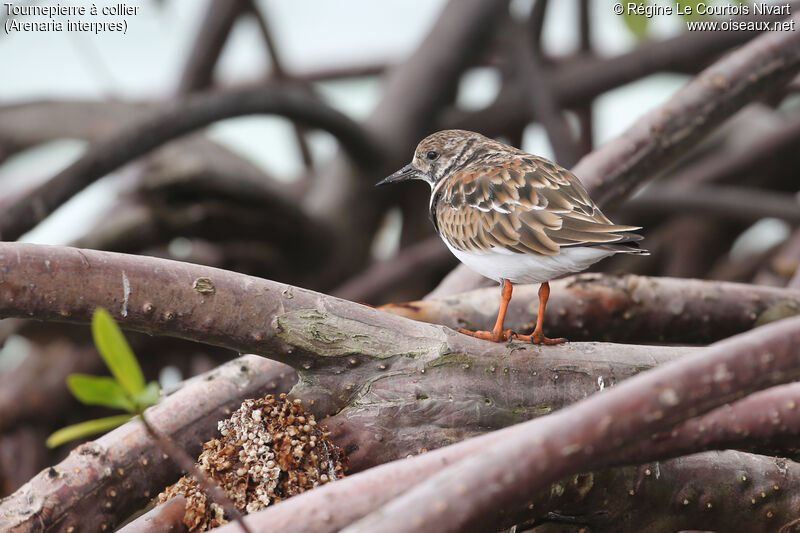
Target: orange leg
[(497, 334), (537, 337)]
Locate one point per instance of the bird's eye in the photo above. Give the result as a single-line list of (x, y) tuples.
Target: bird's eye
[(432, 155)]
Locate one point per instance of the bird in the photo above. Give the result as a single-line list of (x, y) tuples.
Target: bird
[(512, 217)]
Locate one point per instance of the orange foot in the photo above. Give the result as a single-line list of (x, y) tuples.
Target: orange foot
[(494, 336), (539, 338)]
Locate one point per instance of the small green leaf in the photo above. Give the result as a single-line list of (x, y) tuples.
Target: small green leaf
[(84, 429), (100, 390), (636, 23), (149, 396), (116, 352)]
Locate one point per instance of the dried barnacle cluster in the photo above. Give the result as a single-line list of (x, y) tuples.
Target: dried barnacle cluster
[(269, 449)]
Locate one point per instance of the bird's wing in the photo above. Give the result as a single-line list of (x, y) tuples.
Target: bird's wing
[(525, 205)]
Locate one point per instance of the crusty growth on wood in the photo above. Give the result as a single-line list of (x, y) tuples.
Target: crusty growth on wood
[(269, 450)]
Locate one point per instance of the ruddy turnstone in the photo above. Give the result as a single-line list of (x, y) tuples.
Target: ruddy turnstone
[(512, 217)]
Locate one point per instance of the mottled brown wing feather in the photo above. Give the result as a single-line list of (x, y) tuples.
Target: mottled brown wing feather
[(525, 204)]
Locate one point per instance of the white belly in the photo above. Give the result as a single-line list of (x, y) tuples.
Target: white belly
[(499, 263)]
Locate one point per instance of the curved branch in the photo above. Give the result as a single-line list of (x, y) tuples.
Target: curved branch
[(30, 123), (175, 120)]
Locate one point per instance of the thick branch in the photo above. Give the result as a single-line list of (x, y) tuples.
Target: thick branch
[(715, 491), (404, 409), (619, 308)]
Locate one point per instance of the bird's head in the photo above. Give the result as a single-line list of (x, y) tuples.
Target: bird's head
[(436, 155)]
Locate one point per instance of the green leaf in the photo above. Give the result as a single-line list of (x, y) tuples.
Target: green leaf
[(100, 390), (84, 429), (149, 396), (637, 24), (117, 352)]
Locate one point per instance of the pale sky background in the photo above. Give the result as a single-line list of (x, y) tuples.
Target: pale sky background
[(145, 64)]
